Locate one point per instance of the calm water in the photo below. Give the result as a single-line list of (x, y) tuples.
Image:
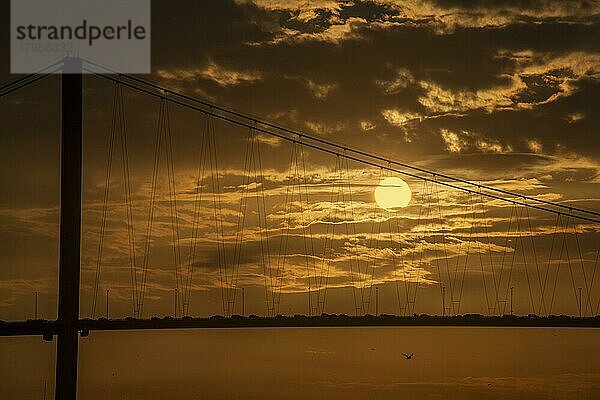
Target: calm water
[(317, 363)]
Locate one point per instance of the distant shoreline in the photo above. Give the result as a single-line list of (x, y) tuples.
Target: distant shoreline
[(50, 328)]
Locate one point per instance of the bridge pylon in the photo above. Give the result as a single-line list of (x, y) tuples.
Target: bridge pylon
[(70, 230)]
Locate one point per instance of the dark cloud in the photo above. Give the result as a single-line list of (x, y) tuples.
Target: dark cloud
[(191, 32), (523, 5), (368, 10)]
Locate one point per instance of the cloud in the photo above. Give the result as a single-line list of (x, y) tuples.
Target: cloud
[(301, 6), (336, 33), (320, 90), (402, 80), (324, 128), (399, 118), (367, 126), (534, 145), (575, 117), (270, 141), (454, 143), (213, 72), (440, 100)]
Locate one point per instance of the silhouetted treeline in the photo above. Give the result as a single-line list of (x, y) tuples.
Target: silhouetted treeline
[(49, 328)]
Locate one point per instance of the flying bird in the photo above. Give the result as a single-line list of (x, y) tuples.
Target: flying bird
[(408, 356)]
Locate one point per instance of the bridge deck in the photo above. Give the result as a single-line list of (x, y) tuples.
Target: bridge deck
[(50, 328)]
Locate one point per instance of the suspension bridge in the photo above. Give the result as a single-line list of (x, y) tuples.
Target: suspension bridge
[(309, 230)]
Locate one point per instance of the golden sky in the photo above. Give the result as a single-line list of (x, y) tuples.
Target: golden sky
[(501, 93)]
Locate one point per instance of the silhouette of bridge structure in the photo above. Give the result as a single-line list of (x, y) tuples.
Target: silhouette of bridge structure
[(446, 241)]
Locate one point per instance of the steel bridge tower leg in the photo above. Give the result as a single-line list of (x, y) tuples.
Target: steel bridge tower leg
[(70, 231)]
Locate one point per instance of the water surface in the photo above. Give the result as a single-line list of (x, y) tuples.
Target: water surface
[(317, 363)]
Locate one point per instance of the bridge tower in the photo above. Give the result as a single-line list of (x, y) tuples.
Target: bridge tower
[(70, 229)]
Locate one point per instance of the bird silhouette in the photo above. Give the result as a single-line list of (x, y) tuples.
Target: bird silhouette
[(408, 356)]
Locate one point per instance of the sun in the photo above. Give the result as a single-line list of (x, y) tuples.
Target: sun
[(392, 193)]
